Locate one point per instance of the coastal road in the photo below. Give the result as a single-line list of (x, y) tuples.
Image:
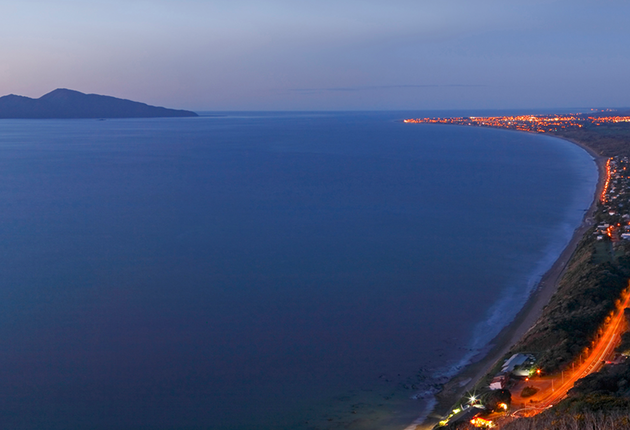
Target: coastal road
[(603, 349)]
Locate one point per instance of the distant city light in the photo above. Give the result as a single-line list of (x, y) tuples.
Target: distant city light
[(531, 123)]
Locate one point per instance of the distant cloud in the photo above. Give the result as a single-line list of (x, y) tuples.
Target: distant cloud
[(376, 87)]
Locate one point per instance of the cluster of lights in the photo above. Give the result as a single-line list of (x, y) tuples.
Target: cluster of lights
[(473, 400), (609, 119), (480, 422), (608, 176), (477, 421), (532, 123), (614, 196)]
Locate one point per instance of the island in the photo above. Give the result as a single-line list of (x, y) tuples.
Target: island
[(65, 104), (563, 362)]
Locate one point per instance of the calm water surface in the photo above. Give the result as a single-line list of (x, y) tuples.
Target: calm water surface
[(262, 271)]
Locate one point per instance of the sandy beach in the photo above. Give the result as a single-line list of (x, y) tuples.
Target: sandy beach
[(525, 319)]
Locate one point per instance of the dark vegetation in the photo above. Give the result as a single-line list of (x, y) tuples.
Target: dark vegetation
[(494, 398), (62, 103), (529, 391), (604, 390), (607, 140), (552, 420)]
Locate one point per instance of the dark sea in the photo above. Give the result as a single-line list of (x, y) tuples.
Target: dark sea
[(264, 271)]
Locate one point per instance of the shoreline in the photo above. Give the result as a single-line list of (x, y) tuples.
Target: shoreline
[(526, 318)]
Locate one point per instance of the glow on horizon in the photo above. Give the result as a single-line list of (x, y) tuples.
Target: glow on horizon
[(281, 54)]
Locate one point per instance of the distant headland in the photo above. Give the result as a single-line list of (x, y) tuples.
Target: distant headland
[(64, 103)]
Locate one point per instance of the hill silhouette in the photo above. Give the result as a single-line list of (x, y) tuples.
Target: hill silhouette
[(64, 103)]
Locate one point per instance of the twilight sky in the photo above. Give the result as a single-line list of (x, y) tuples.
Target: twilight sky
[(322, 54)]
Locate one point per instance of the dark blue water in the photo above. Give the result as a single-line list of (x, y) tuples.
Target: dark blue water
[(258, 271)]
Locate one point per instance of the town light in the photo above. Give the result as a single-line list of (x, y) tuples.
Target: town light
[(480, 422)]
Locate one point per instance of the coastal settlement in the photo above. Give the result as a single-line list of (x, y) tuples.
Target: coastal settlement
[(570, 370)]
